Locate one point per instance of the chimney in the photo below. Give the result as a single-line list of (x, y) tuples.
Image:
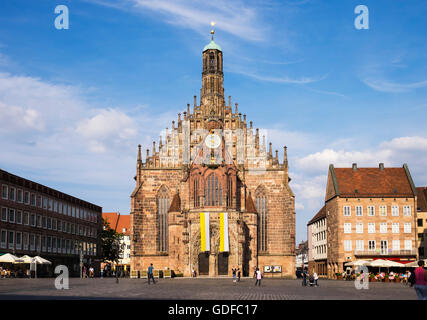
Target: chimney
[(229, 101), (382, 166), (354, 166), (195, 102)]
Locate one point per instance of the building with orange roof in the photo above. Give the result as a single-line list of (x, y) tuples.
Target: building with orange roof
[(371, 213), (121, 224)]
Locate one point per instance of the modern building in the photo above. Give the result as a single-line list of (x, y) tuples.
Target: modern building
[(371, 214), (38, 220), (212, 196), (121, 224), (422, 222), (318, 244)]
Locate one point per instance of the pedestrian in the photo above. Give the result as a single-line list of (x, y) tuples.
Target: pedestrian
[(192, 272), (91, 272), (238, 274), (316, 277), (304, 278), (234, 274), (419, 281), (84, 272), (258, 277), (150, 274)]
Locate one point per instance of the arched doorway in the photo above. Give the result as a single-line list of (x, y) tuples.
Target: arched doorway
[(204, 263), (223, 263)]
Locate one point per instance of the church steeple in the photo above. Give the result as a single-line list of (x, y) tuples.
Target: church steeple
[(212, 92)]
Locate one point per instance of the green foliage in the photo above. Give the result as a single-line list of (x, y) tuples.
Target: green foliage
[(110, 243)]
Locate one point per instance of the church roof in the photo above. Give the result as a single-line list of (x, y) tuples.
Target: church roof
[(212, 45), (176, 204)]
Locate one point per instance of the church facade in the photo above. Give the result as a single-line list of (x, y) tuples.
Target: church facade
[(212, 196)]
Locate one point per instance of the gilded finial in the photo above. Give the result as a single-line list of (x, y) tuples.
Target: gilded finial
[(212, 31)]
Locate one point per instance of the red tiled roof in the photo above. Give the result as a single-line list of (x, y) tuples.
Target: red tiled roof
[(321, 214), (365, 182), (122, 223), (422, 199)]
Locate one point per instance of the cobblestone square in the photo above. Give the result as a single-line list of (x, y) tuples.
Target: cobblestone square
[(200, 288)]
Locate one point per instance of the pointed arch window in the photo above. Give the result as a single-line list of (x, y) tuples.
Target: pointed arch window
[(163, 204), (212, 61), (230, 193), (213, 191), (196, 193), (261, 206)]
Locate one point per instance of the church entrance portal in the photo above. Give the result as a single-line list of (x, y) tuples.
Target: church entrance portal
[(223, 263), (204, 263)]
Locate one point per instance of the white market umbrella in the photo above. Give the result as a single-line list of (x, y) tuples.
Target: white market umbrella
[(8, 258), (379, 263), (40, 260), (414, 264), (357, 263), (26, 259)]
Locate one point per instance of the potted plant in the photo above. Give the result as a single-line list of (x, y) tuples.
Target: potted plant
[(397, 278), (338, 275), (386, 279), (371, 278)]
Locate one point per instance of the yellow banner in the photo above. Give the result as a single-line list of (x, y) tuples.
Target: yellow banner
[(223, 232), (202, 232)]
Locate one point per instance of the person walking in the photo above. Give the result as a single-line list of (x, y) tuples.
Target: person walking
[(316, 277), (420, 284), (234, 274), (238, 274), (150, 274), (258, 277), (304, 278), (91, 272), (84, 272)]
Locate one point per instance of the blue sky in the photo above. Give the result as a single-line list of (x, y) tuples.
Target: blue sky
[(75, 103)]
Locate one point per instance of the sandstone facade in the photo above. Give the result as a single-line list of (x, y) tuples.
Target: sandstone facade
[(212, 161)]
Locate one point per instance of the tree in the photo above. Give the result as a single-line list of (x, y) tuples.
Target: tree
[(112, 249)]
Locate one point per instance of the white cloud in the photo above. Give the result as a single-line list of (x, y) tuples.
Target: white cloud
[(234, 17), (13, 118), (407, 143), (280, 79), (393, 87), (108, 126)]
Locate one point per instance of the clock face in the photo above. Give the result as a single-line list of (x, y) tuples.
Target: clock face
[(213, 141)]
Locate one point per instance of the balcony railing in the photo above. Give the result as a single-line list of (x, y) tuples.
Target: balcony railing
[(389, 252)]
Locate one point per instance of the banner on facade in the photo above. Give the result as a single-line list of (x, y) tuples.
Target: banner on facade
[(223, 240), (204, 232)]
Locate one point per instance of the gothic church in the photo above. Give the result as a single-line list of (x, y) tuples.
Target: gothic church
[(212, 196)]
